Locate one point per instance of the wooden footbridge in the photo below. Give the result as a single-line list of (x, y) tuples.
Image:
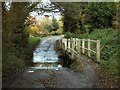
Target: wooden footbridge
[(82, 46)]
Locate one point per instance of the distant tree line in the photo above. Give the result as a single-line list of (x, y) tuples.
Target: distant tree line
[(84, 17)]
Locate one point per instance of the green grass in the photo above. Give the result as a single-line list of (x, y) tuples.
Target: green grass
[(109, 48), (33, 40)]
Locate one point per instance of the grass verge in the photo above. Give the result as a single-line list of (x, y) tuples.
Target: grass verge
[(14, 61), (32, 40), (109, 48)]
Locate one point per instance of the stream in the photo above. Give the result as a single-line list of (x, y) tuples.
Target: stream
[(44, 55)]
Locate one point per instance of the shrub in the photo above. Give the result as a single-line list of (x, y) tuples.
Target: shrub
[(109, 46), (11, 63)]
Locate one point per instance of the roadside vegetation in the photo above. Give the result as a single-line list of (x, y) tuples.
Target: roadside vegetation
[(98, 21), (109, 47), (16, 60), (16, 52), (33, 40)]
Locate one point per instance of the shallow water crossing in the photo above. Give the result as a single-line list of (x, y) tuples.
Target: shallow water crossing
[(44, 55)]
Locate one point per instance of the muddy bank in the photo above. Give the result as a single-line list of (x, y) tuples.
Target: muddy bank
[(74, 64), (62, 54)]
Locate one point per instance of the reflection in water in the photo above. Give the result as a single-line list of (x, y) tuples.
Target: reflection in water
[(44, 56), (47, 66)]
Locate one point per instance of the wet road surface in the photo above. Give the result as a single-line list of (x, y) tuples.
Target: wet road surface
[(55, 76)]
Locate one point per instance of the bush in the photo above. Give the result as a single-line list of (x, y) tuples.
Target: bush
[(69, 35), (109, 47), (108, 38), (100, 15), (11, 64), (16, 59), (88, 28)]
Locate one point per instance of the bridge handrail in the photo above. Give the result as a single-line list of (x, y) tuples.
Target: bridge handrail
[(75, 46)]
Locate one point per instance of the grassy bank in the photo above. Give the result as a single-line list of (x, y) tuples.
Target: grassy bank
[(33, 40), (109, 47), (14, 61)]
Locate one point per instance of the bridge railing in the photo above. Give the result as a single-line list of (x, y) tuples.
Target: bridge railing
[(77, 46)]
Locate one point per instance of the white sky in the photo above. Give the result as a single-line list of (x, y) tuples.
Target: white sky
[(56, 15), (35, 14)]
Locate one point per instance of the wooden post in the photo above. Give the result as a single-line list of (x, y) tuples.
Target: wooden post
[(98, 51), (83, 46), (70, 42), (78, 46), (89, 52), (74, 43), (72, 48), (68, 45), (64, 42)]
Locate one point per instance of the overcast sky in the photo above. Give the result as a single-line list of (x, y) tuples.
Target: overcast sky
[(35, 14), (51, 14)]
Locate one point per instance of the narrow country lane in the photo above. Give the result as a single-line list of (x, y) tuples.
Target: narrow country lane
[(37, 77)]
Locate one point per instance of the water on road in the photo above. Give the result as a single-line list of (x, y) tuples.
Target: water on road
[(44, 56), (47, 72)]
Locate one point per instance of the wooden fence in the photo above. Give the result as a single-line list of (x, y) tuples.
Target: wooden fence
[(77, 46)]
